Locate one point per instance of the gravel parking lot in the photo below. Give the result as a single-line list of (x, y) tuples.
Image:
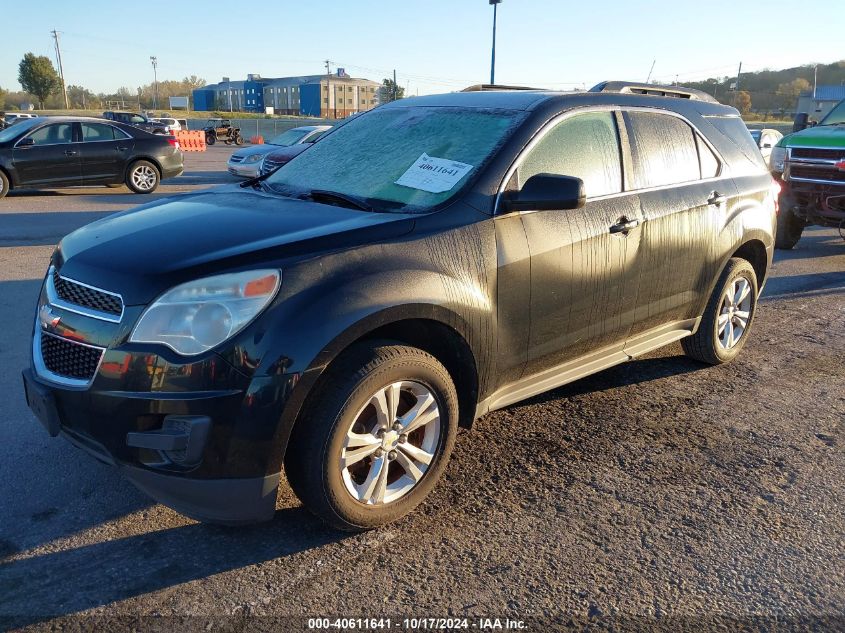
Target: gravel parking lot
[(657, 494)]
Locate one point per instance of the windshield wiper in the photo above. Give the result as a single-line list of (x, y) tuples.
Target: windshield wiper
[(335, 196)]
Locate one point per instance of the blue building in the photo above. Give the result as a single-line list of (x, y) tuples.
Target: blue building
[(335, 96)]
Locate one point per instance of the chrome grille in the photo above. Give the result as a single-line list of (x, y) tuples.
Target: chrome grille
[(69, 359), (818, 153), (270, 165), (85, 296), (816, 172), (236, 159)]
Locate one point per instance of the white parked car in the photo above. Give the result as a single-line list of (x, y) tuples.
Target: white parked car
[(14, 117), (170, 125), (766, 139), (246, 162)]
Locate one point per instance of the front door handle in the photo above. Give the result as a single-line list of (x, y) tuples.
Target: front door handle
[(122, 148), (623, 225), (70, 152), (716, 198)]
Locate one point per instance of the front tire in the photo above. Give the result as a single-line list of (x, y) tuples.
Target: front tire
[(376, 438), (210, 139), (4, 185), (142, 177), (789, 229), (728, 316)]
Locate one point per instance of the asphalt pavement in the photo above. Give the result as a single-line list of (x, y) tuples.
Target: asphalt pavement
[(660, 494)]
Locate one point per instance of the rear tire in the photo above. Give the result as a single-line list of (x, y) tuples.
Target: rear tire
[(348, 461), (142, 177), (728, 316), (209, 139), (789, 228), (4, 185)]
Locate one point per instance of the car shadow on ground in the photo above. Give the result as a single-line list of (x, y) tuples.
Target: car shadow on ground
[(71, 581)]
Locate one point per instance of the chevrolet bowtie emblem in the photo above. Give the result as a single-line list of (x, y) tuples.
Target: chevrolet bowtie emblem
[(49, 321)]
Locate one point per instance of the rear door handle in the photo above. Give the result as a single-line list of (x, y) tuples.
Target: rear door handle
[(624, 225), (70, 152), (716, 198)]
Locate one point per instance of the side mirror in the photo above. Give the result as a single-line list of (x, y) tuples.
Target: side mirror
[(801, 122), (547, 192), (26, 142)]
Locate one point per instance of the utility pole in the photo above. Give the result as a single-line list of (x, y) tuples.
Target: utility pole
[(738, 73), (495, 4), (647, 79), (395, 89), (61, 68), (328, 88), (154, 61), (815, 80)]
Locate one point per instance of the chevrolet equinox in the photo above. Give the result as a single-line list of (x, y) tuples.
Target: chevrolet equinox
[(433, 260)]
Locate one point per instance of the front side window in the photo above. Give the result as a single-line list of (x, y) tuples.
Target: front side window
[(407, 158), (53, 134), (663, 150), (584, 146)]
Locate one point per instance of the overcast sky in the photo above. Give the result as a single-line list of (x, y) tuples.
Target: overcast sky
[(434, 45)]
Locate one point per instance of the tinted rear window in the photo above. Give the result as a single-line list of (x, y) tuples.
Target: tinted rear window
[(663, 149)]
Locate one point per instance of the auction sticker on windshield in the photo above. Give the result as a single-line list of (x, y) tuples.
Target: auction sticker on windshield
[(432, 174)]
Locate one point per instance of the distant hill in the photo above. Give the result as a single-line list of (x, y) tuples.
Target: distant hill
[(773, 90)]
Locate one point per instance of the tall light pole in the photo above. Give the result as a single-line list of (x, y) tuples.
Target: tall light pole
[(154, 61), (493, 56)]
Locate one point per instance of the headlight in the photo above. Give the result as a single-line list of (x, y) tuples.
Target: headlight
[(198, 315), (254, 158), (777, 158)]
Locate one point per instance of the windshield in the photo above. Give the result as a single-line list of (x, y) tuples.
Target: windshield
[(289, 138), (835, 116), (14, 130), (408, 158)]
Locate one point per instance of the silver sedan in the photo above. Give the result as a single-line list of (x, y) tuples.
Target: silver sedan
[(246, 162)]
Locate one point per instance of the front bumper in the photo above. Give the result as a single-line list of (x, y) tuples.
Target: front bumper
[(244, 170), (125, 413)]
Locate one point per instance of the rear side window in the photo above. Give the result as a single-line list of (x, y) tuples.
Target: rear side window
[(97, 132), (663, 150), (585, 146)]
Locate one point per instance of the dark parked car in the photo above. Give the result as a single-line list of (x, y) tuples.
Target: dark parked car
[(430, 261), (50, 152), (138, 120), (282, 156)]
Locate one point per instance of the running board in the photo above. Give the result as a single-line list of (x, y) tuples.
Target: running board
[(586, 365)]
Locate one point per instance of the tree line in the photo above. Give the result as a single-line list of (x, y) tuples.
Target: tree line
[(774, 92), (43, 87)]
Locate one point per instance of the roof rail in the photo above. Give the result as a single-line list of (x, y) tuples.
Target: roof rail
[(484, 87), (679, 92)]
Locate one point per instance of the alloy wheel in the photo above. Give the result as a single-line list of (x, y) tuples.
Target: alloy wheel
[(144, 177), (391, 443), (734, 312)]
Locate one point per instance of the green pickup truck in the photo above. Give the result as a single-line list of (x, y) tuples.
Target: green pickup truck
[(809, 164)]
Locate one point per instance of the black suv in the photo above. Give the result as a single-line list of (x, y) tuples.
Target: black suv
[(137, 120), (434, 259)]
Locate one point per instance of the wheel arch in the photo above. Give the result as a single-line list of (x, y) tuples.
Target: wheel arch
[(135, 159), (754, 252), (433, 329)]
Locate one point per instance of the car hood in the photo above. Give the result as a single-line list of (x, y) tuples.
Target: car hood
[(142, 252), (255, 149), (819, 136)]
